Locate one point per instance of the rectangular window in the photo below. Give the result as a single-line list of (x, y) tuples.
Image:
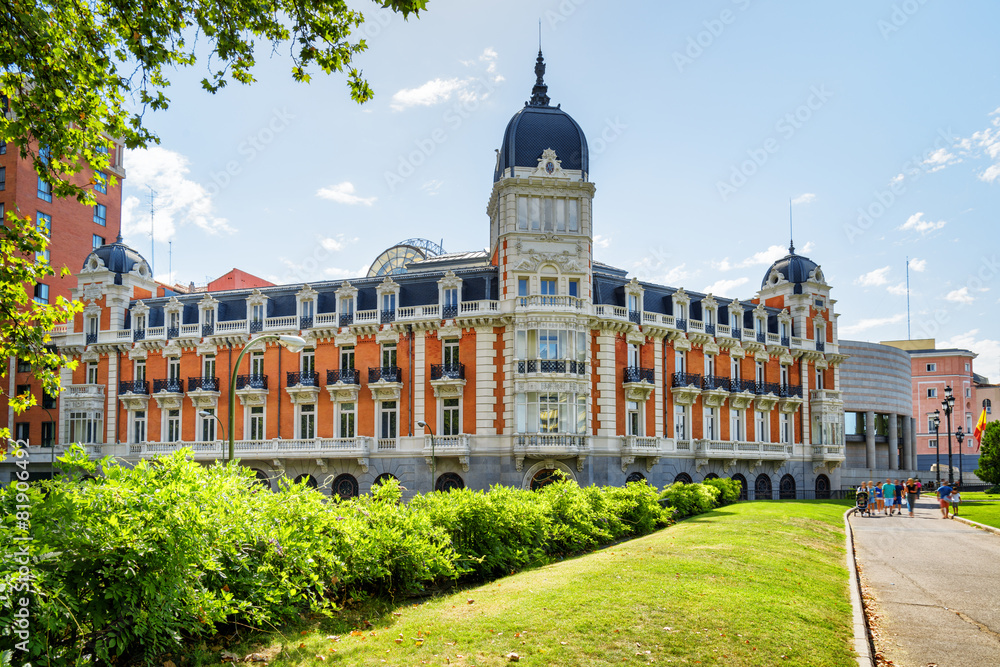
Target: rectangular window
[(346, 306), (23, 389), (308, 308), (101, 182), (760, 426), (22, 432), (257, 312), (256, 425), (84, 427), (784, 375), (535, 212), (208, 366), (932, 444), (48, 400), (449, 354), (737, 429), (680, 361), (101, 214), (710, 423), (930, 423), (680, 423), (573, 213), (968, 392), (450, 417), (388, 356), (173, 433), (522, 213), (91, 373), (820, 380), (139, 426), (307, 422), (760, 372), (307, 362), (522, 287), (786, 429), (43, 257), (633, 355), (207, 424), (931, 368), (967, 368), (41, 293), (549, 286), (574, 288), (346, 429), (709, 364), (387, 415), (48, 434), (23, 366), (43, 221), (450, 302), (44, 190), (932, 393), (734, 368), (97, 241), (3, 178), (633, 423), (347, 358), (257, 363), (560, 213)]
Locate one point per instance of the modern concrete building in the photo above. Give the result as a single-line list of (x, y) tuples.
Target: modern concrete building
[(879, 429), (472, 369)]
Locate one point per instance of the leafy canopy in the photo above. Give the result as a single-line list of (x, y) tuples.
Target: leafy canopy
[(989, 455)]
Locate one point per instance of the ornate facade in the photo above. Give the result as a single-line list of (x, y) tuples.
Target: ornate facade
[(472, 369)]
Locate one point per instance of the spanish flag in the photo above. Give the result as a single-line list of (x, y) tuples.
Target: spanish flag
[(980, 427)]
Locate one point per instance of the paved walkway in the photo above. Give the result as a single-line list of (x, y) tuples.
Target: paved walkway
[(937, 587)]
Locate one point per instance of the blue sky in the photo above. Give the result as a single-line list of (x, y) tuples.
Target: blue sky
[(881, 120)]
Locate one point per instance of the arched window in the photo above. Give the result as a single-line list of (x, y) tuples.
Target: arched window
[(988, 406), (449, 481), (384, 477), (711, 475), (635, 477), (744, 494), (345, 486), (308, 479), (262, 478), (786, 488), (542, 478), (762, 488), (683, 477), (822, 487)]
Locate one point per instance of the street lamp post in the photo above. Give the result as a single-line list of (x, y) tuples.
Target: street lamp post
[(949, 404), (423, 424), (936, 420), (291, 343), (960, 437), (206, 413)]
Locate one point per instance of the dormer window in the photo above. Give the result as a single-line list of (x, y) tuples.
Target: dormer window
[(346, 309), (307, 311), (449, 306)]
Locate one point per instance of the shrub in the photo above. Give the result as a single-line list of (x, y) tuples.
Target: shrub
[(729, 489), (690, 499)]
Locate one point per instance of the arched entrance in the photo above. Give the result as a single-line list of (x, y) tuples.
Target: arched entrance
[(683, 477), (543, 478), (744, 489), (786, 488), (762, 488), (345, 486), (635, 477), (309, 480), (822, 487), (448, 482)]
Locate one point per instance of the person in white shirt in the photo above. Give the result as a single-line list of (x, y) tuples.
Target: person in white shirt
[(955, 498)]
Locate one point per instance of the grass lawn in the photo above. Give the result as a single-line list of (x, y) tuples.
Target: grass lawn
[(985, 513), (979, 495), (750, 584)]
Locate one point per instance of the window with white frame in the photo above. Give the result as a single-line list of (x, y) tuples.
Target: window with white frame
[(92, 325), (931, 368), (680, 361), (633, 355), (522, 287), (139, 322), (91, 373), (711, 423), (735, 321), (255, 422), (550, 412), (548, 213), (550, 344), (207, 425), (968, 368), (347, 357), (208, 366), (138, 426), (549, 286), (257, 313), (449, 298), (173, 368), (574, 287), (306, 422), (734, 368), (760, 373), (389, 355), (932, 393), (930, 423), (140, 371), (968, 424), (708, 316), (968, 392), (785, 423), (449, 354), (450, 417), (307, 362), (257, 364), (633, 418), (709, 365), (345, 420), (761, 426), (172, 426), (85, 427), (820, 379), (784, 375), (175, 321), (932, 444), (308, 309), (389, 302), (387, 420), (346, 305), (680, 422), (737, 426)]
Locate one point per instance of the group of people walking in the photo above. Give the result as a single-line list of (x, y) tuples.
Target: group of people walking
[(888, 498)]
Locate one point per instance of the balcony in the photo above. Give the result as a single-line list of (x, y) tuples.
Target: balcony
[(91, 338), (820, 345), (318, 448), (305, 322), (635, 316), (686, 380), (301, 379), (764, 388), (447, 371), (739, 450), (385, 374), (171, 385), (714, 382), (790, 390), (387, 317), (139, 334), (203, 383), (636, 374), (550, 445), (685, 387), (737, 385), (453, 446), (570, 366), (552, 301), (681, 325), (207, 329), (344, 375), (346, 319), (710, 329), (133, 387), (449, 312), (252, 381), (635, 446), (386, 383)]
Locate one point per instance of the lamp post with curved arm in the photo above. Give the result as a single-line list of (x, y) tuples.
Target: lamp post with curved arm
[(948, 403), (423, 424), (291, 343), (960, 437), (211, 413), (936, 421)]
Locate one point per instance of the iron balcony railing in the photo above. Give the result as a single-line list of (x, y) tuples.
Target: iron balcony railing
[(768, 388), (681, 325), (133, 387), (305, 322), (173, 385), (91, 338), (449, 312), (636, 374), (447, 371), (635, 316), (139, 334), (570, 366), (387, 373), (820, 345), (715, 382), (686, 380), (346, 319), (710, 329), (736, 332), (301, 378), (173, 332), (203, 383), (785, 341), (735, 384), (207, 329), (761, 337), (345, 375), (789, 390), (252, 381), (387, 316), (256, 326)]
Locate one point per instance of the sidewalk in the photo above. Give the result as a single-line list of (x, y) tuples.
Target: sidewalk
[(936, 583)]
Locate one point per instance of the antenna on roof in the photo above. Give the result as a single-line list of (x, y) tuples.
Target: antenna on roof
[(908, 299), (539, 35), (791, 236)]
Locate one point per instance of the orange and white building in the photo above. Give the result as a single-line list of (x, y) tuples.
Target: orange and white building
[(471, 369)]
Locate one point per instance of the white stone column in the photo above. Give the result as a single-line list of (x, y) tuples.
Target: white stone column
[(607, 403), (485, 381), (894, 443), (910, 460), (419, 380), (111, 405), (508, 380), (871, 461), (658, 382), (805, 410)]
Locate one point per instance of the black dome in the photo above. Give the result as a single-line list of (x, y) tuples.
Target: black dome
[(793, 268), (539, 126), (117, 257)]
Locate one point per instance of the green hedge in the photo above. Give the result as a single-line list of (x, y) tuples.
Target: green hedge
[(140, 560)]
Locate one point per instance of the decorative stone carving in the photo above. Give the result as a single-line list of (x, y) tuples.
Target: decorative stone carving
[(138, 353), (766, 402), (387, 336), (301, 395), (741, 400), (638, 391), (626, 462), (651, 461), (700, 463), (549, 166), (345, 338), (685, 395), (168, 400), (343, 392), (134, 401), (714, 398), (202, 399), (385, 391), (789, 404), (252, 396), (449, 331), (448, 387)]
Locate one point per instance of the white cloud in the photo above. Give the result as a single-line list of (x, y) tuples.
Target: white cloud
[(762, 258), (873, 278), (869, 323), (985, 143), (431, 187), (343, 193), (898, 178), (336, 243), (917, 224), (960, 296), (898, 290), (805, 198), (467, 89), (725, 287), (601, 241), (940, 156), (918, 265), (987, 349), (178, 200)]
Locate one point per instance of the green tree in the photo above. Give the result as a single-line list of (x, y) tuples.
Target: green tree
[(77, 73), (989, 455)]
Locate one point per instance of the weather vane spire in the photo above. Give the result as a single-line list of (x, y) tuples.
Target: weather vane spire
[(539, 94)]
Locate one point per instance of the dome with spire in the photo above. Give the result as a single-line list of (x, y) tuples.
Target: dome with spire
[(117, 258), (539, 126), (793, 268)]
